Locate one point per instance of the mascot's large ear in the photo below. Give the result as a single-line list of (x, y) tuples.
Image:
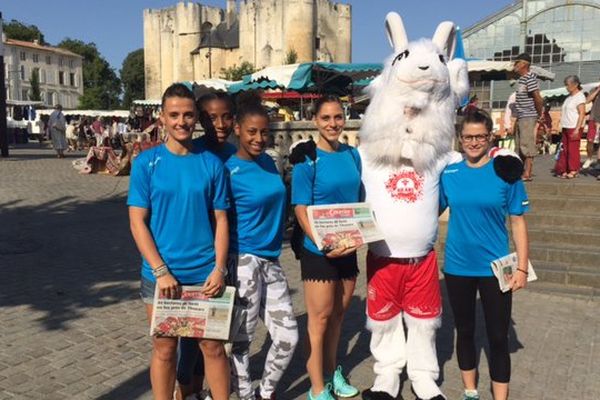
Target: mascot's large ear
[(445, 38), (395, 32)]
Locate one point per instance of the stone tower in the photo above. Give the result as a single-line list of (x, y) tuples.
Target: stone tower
[(190, 41)]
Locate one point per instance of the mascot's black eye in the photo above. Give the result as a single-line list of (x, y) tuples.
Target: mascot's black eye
[(442, 59), (400, 56)]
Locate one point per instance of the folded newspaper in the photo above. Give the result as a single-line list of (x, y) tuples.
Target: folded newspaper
[(343, 225), (193, 314), (505, 267)]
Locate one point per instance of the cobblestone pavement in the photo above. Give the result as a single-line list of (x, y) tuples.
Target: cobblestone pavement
[(72, 326)]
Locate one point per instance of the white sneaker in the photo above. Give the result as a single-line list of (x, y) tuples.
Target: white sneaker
[(587, 163)]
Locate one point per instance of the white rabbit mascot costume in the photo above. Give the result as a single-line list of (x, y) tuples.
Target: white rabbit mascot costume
[(406, 141)]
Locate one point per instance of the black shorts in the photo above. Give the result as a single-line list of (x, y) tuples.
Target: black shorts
[(315, 267)]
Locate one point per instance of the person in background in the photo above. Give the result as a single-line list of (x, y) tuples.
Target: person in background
[(329, 277), (478, 223), (572, 121), (57, 125), (178, 218), (256, 219), (593, 127), (71, 135), (529, 105)]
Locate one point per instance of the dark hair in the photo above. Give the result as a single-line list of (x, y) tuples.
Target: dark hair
[(328, 98), (177, 90), (477, 116), (212, 96), (250, 103)]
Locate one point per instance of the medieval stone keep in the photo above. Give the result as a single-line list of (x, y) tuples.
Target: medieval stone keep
[(191, 41)]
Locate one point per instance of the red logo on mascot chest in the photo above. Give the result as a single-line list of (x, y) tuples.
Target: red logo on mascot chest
[(405, 186)]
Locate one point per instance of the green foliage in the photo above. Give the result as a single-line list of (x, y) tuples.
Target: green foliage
[(101, 86), (34, 81), (291, 57), (132, 76), (19, 31), (236, 73)]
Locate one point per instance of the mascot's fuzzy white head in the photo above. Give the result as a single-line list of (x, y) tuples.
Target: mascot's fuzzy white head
[(411, 117)]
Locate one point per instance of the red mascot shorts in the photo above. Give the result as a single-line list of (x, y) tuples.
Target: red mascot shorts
[(395, 285)]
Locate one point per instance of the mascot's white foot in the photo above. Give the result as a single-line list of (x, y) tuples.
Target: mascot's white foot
[(388, 347), (422, 364)]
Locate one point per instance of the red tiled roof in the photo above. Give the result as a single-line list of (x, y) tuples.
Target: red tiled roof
[(35, 46)]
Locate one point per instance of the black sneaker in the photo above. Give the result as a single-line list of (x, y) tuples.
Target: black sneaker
[(373, 395)]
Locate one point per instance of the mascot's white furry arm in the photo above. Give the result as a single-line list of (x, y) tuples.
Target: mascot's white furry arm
[(406, 141)]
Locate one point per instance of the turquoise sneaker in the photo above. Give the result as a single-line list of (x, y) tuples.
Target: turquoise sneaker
[(341, 387), (470, 396), (324, 395)]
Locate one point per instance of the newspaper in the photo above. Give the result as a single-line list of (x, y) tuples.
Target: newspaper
[(348, 225), (193, 314), (505, 267)]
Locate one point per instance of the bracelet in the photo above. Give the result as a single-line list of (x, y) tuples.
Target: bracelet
[(161, 270), (221, 270), (523, 271)]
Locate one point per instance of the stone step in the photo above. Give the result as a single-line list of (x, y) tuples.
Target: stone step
[(587, 237), (562, 188), (584, 272), (584, 204), (588, 293), (566, 254), (548, 219)]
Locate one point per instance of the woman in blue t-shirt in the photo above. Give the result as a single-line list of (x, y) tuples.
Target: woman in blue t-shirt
[(479, 203), (176, 190), (256, 217), (216, 116), (332, 176)]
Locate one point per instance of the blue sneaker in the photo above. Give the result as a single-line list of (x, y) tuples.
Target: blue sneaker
[(324, 395), (341, 387), (470, 396)]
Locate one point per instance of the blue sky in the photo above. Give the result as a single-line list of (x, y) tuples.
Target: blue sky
[(116, 25)]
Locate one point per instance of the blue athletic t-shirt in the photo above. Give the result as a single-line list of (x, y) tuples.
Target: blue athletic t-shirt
[(258, 199), (180, 192), (337, 181), (479, 203), (224, 151)]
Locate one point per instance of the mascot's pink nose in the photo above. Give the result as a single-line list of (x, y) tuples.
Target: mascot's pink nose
[(424, 68)]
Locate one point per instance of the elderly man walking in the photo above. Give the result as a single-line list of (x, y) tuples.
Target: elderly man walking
[(529, 105), (57, 125)]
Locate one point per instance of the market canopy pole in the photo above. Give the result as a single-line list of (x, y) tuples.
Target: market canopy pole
[(3, 132)]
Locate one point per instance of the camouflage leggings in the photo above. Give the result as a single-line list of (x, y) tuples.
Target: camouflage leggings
[(263, 292)]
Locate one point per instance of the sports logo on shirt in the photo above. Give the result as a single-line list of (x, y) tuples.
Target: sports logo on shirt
[(405, 186)]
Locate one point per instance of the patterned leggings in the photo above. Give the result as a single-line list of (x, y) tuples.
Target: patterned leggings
[(263, 292)]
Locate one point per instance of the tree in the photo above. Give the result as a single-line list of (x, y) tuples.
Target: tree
[(19, 31), (291, 57), (236, 73), (34, 81), (132, 77), (101, 86)]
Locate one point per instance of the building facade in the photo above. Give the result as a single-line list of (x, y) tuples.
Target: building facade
[(191, 41), (59, 72), (562, 36)]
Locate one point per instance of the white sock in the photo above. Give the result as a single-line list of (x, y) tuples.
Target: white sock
[(471, 392)]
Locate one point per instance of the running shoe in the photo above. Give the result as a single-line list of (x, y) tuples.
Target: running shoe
[(324, 395), (341, 387)]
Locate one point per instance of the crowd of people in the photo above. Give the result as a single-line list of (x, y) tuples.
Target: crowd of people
[(533, 125), (203, 212), (73, 133)]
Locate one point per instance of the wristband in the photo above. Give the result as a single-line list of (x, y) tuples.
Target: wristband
[(523, 271), (221, 270), (161, 270)]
